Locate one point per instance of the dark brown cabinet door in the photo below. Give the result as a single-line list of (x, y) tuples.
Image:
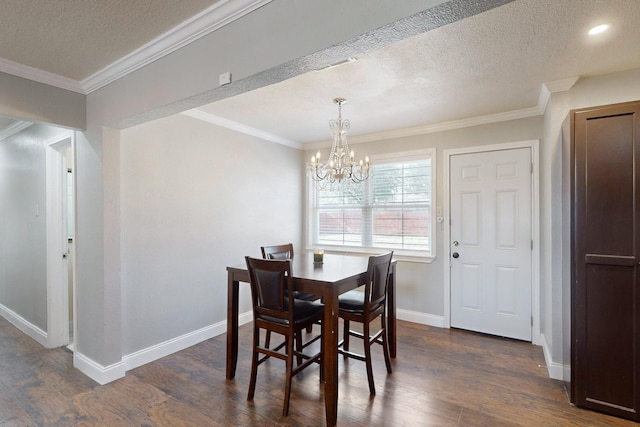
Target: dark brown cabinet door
[(605, 146)]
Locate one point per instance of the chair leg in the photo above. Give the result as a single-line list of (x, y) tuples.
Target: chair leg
[(267, 339), (299, 346), (322, 359), (385, 344), (367, 356), (309, 329), (254, 363), (345, 336), (287, 387)]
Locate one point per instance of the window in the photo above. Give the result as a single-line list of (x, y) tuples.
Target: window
[(390, 210)]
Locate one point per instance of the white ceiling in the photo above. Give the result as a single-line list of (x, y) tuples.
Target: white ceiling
[(77, 38), (486, 67)]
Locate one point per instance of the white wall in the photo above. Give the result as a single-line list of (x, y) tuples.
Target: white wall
[(196, 198)]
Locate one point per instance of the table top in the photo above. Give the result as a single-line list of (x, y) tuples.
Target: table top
[(336, 267)]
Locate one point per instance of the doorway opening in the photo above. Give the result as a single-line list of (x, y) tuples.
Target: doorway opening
[(60, 240)]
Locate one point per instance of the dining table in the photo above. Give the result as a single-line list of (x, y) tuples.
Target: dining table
[(336, 275)]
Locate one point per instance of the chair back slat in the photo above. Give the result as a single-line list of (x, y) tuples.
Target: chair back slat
[(269, 285), (377, 278), (270, 290), (278, 251)]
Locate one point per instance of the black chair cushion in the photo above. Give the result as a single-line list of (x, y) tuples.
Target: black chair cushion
[(304, 310), (305, 296), (353, 302)]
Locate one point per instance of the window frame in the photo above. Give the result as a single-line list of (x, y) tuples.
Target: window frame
[(401, 254)]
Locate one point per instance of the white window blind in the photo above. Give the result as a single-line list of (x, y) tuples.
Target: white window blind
[(390, 210)]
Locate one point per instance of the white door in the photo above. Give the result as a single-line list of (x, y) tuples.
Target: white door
[(491, 246), (57, 243)]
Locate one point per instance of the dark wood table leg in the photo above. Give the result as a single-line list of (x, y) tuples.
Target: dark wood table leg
[(391, 311), (330, 362), (232, 326)]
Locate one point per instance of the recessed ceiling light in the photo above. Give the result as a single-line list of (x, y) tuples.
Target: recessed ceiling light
[(598, 29)]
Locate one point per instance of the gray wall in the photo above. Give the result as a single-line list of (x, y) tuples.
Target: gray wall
[(196, 198), (255, 49), (23, 222), (421, 285), (23, 228), (110, 235), (37, 102)]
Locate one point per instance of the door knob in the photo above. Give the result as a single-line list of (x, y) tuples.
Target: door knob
[(455, 254)]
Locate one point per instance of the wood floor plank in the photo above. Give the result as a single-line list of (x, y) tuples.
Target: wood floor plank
[(441, 377), (10, 408)]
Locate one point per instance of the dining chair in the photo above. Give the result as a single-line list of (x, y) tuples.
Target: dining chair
[(365, 307), (285, 251), (276, 310)]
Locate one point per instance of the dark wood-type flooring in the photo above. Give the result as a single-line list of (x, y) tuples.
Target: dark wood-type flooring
[(441, 378)]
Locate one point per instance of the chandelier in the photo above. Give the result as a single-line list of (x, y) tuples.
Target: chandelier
[(341, 164)]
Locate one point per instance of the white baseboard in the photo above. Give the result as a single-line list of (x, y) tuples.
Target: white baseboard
[(149, 354), (100, 374), (244, 318), (25, 326), (155, 352), (105, 374), (420, 318), (556, 370), (93, 370)]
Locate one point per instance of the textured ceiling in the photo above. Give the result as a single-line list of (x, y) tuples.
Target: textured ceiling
[(77, 38), (492, 63)]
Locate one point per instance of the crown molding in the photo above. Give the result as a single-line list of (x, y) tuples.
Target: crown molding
[(524, 113), (219, 121), (451, 125), (560, 85), (207, 21), (543, 99), (40, 76), (13, 129), (538, 110)]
